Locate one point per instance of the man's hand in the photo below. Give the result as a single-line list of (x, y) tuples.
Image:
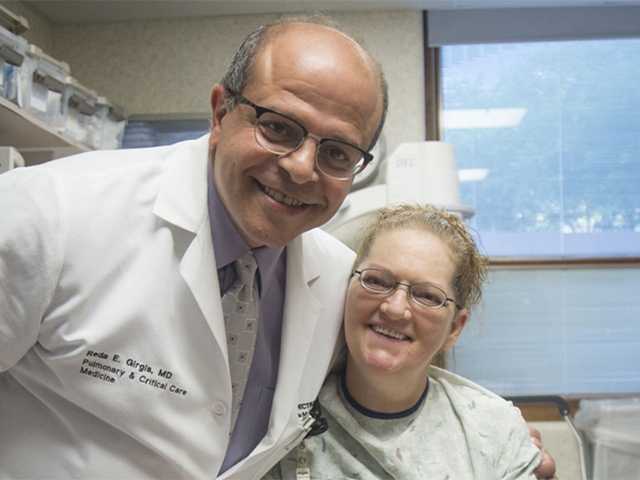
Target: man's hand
[(547, 467)]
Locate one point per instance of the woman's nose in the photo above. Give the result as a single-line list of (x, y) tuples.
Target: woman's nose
[(396, 306)]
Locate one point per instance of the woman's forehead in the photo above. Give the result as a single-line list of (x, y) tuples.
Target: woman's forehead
[(412, 252)]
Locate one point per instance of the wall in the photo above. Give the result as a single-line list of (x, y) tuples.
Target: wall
[(169, 66)]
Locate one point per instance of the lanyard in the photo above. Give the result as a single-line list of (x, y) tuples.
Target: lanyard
[(303, 472), (318, 425)]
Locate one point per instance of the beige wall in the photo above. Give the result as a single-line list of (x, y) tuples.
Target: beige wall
[(169, 66)]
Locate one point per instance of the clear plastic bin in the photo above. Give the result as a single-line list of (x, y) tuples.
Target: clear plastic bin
[(12, 52), (79, 107), (110, 123), (10, 158), (613, 430), (43, 80)]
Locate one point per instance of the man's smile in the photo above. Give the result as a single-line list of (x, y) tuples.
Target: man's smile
[(283, 198)]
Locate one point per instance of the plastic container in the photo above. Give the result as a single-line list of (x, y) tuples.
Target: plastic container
[(10, 158), (613, 430), (43, 81), (110, 121), (12, 53), (12, 22), (79, 107)]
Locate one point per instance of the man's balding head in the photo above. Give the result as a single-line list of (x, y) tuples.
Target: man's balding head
[(241, 69), (293, 76)]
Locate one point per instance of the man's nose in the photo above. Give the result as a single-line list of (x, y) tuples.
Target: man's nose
[(396, 306), (301, 163)]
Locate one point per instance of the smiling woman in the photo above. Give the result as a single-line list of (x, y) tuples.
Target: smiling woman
[(392, 337), (392, 415)]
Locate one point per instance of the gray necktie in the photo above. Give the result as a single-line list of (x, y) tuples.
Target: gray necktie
[(240, 307)]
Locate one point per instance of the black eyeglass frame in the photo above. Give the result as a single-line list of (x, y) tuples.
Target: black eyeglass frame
[(409, 286), (367, 157)]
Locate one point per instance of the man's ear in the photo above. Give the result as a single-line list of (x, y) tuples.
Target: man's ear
[(457, 326), (218, 111)]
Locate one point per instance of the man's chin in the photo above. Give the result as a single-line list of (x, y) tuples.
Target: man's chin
[(276, 237), (270, 236), (282, 229)]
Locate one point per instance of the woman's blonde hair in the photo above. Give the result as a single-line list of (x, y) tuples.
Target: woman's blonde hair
[(470, 266)]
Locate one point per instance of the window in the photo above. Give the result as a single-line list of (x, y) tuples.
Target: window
[(547, 136), (547, 140), (150, 132)]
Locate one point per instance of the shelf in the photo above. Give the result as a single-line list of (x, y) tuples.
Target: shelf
[(36, 142)]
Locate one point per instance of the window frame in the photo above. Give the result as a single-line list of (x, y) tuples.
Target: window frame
[(433, 128)]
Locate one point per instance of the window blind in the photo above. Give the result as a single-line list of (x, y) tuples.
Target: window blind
[(558, 331), (456, 27)]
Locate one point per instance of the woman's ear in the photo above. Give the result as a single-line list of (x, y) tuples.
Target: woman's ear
[(459, 321)]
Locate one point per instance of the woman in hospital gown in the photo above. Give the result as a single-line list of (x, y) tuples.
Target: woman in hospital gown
[(391, 415)]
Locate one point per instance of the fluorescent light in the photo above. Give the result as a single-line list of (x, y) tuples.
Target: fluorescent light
[(483, 118), (472, 174)]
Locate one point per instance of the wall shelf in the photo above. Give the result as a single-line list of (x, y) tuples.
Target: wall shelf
[(35, 141)]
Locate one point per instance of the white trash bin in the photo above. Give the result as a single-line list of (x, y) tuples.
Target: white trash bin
[(613, 430)]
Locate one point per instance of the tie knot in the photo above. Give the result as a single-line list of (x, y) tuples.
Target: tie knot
[(246, 267)]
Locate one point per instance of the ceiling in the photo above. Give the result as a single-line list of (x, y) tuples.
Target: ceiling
[(88, 11)]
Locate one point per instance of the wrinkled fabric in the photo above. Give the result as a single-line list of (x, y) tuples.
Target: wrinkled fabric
[(461, 431)]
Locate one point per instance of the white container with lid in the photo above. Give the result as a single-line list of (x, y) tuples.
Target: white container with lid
[(43, 79), (110, 123), (10, 158), (79, 107), (12, 52)]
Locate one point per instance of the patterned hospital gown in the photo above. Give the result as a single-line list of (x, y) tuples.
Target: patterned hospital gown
[(460, 431)]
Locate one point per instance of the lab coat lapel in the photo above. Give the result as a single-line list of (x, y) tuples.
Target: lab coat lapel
[(301, 312), (182, 201), (198, 268)]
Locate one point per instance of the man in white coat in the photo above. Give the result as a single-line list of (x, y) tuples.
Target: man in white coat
[(114, 353)]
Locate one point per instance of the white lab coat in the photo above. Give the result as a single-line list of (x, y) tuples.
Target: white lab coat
[(112, 342)]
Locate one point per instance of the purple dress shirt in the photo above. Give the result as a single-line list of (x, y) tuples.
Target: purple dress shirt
[(253, 418)]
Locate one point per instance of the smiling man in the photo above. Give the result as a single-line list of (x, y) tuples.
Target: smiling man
[(286, 142), (172, 312), (325, 87)]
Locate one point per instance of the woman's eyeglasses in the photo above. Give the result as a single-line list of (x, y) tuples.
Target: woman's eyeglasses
[(382, 282)]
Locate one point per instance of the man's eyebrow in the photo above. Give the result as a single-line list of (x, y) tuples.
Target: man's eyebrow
[(377, 266)]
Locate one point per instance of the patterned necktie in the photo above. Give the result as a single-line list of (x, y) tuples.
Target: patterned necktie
[(240, 307)]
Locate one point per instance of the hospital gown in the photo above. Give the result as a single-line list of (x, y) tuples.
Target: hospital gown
[(460, 431)]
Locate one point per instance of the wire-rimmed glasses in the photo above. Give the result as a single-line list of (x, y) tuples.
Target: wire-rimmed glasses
[(382, 282)]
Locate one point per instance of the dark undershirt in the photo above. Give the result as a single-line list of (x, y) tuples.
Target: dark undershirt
[(344, 392)]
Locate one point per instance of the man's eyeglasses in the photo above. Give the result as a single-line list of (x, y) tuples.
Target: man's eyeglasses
[(282, 135), (382, 282)]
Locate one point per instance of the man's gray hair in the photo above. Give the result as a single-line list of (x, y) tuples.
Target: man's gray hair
[(237, 75)]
